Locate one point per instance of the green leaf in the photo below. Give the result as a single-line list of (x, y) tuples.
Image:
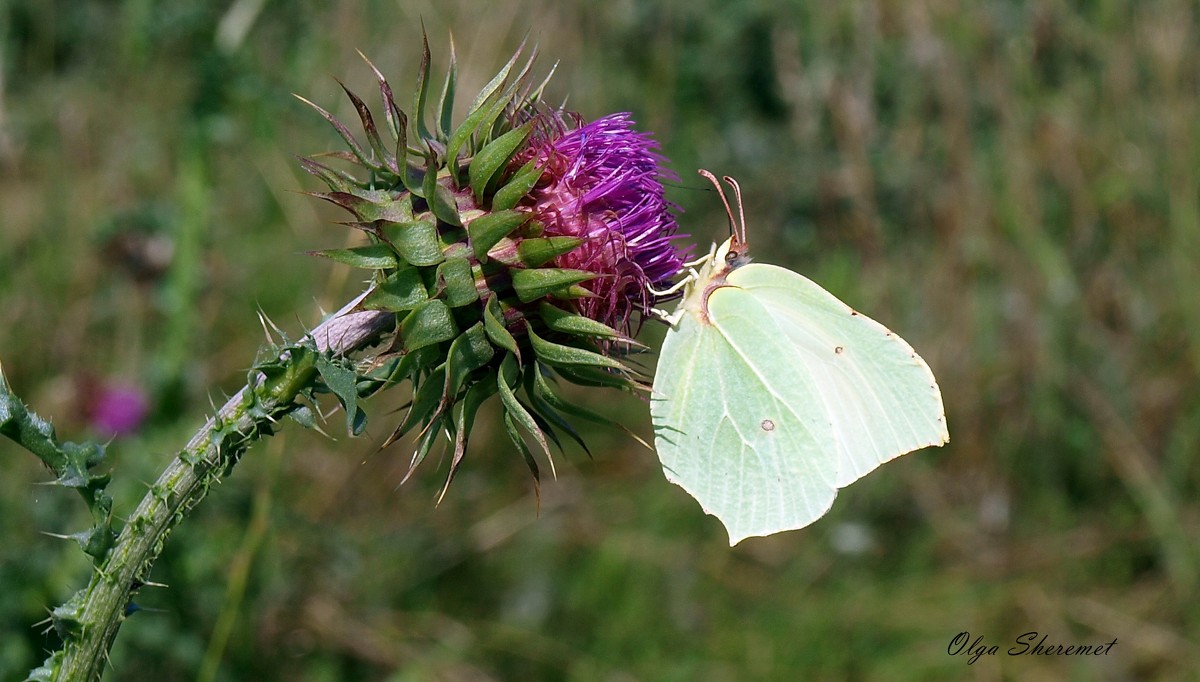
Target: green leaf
[(95, 541), (343, 382), (536, 96), (457, 281), (71, 463), (28, 430), (371, 256), (558, 355), (497, 331), (562, 321), (428, 438), (422, 91), (409, 177), (508, 377), (538, 251), (402, 290), (408, 174), (391, 112), (416, 242), (475, 116), (412, 365), (532, 284), (441, 200), (446, 105), (574, 291), (304, 416), (488, 229), (399, 125), (427, 324), (490, 161), (510, 427), (548, 429), (359, 156), (543, 390), (338, 180), (369, 205), (535, 388), (368, 123), (463, 419), (497, 81), (470, 351), (517, 187), (595, 376), (427, 403)]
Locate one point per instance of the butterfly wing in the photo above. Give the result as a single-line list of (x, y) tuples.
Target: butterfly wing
[(783, 395), (879, 395)]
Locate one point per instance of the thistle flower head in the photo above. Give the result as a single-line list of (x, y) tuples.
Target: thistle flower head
[(514, 247), (603, 185)]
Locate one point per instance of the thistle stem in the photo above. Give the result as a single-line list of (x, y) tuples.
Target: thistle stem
[(98, 611)]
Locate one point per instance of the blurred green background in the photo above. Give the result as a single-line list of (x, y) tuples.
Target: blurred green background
[(1013, 186)]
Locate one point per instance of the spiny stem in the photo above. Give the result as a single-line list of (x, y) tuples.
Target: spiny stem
[(208, 456)]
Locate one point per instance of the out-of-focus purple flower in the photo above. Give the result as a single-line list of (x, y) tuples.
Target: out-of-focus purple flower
[(603, 184), (116, 409)]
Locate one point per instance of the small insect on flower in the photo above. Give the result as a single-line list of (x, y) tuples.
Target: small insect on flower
[(518, 245)]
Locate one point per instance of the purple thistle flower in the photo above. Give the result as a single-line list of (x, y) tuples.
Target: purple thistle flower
[(603, 183), (117, 410)]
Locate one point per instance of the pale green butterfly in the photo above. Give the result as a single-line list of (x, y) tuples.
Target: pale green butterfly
[(771, 394)]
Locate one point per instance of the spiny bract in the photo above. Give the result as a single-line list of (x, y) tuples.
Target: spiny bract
[(514, 248)]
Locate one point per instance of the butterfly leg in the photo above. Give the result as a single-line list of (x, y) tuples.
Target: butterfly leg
[(692, 276), (670, 318)]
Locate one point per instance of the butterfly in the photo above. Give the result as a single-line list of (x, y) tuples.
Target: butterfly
[(770, 394)]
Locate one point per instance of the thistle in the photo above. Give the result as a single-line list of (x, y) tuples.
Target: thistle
[(516, 248), (519, 248)]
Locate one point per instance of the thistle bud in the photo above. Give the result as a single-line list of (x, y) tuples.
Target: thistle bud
[(519, 245)]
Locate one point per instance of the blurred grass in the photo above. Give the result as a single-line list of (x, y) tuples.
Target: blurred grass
[(1011, 185)]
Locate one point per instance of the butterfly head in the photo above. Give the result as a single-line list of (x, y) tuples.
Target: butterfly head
[(731, 255), (735, 252)]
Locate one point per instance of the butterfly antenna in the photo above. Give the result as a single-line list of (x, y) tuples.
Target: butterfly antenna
[(721, 191), (737, 194)]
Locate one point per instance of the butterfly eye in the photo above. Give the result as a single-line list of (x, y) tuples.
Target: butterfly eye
[(731, 257)]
